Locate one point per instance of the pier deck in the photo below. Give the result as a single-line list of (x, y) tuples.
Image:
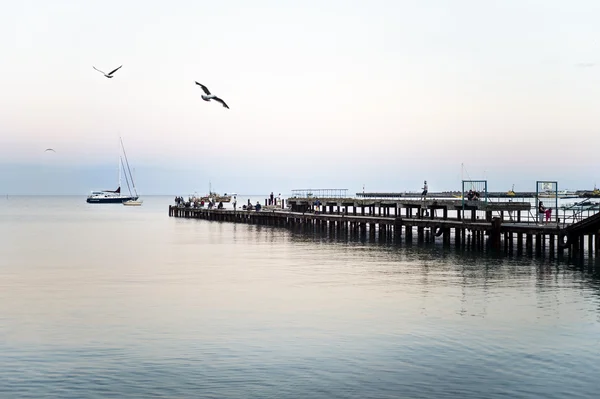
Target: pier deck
[(458, 194), (415, 203)]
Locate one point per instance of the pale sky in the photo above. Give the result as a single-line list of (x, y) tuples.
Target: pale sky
[(323, 94)]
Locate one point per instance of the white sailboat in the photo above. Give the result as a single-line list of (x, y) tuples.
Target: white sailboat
[(115, 196)]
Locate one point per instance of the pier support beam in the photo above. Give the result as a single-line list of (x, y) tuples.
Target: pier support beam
[(528, 243), (495, 233), (420, 234)]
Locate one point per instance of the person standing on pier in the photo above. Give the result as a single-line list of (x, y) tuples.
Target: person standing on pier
[(541, 212), (424, 193), (234, 202)]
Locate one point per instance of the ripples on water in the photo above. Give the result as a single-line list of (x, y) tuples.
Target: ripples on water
[(102, 301)]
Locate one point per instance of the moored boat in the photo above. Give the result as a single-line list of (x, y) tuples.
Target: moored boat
[(115, 197), (215, 197), (133, 202), (589, 194), (109, 197), (563, 194)]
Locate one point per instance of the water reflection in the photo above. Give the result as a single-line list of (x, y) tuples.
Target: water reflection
[(484, 278)]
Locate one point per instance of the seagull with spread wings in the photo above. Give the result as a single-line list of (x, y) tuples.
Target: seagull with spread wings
[(108, 75), (208, 96), (49, 149)]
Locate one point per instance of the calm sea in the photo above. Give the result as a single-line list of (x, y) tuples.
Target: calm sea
[(107, 301)]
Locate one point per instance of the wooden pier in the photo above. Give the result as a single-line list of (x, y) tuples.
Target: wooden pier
[(498, 226)]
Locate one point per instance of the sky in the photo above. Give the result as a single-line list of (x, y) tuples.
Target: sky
[(322, 94)]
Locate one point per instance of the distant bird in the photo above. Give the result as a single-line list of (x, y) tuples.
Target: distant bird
[(586, 64), (209, 96), (49, 149), (109, 75)]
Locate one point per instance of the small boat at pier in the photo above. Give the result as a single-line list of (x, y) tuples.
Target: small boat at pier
[(133, 202), (215, 197)]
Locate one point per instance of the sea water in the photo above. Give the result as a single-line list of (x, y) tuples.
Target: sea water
[(108, 301)]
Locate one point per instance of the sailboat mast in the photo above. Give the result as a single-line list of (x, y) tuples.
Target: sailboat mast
[(127, 162), (126, 179), (119, 171)]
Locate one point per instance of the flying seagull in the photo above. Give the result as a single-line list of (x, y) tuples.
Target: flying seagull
[(586, 64), (49, 149), (109, 75), (209, 96)]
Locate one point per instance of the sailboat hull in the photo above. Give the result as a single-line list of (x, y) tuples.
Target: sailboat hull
[(109, 200)]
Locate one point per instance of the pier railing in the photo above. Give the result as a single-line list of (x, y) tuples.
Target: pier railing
[(320, 193), (562, 216), (578, 212)]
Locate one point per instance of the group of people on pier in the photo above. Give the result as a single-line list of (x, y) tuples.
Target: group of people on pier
[(195, 202), (273, 200), (251, 207)]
